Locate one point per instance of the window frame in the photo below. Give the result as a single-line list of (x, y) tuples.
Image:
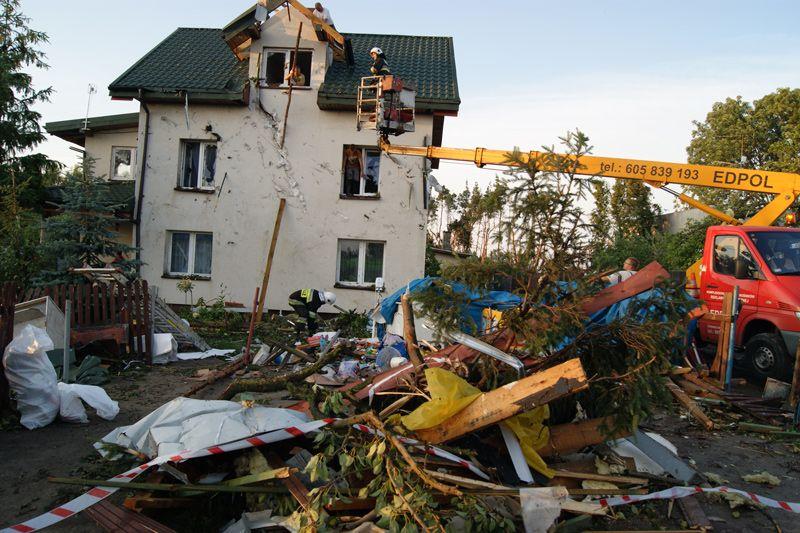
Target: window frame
[(191, 255), (201, 159), (362, 263), (112, 173), (287, 65), (362, 184), (741, 244)]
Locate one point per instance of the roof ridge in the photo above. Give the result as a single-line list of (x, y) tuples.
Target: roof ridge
[(401, 35), (194, 28)]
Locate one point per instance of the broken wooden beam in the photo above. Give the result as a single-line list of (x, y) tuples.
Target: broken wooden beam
[(410, 332), (572, 437), (643, 280), (509, 400), (689, 405)]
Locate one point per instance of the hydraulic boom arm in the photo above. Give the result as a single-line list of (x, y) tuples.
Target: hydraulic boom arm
[(784, 185)]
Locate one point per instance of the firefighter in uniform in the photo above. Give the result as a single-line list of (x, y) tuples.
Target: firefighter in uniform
[(306, 303)]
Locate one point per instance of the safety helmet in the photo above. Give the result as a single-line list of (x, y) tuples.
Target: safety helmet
[(330, 298), (376, 50)]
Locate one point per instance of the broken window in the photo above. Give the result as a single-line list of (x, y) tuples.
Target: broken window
[(189, 253), (198, 165), (361, 171), (359, 262), (123, 159), (278, 64)]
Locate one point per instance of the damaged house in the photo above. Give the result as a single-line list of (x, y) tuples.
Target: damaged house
[(204, 164)]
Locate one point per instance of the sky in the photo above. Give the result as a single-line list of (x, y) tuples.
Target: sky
[(631, 75)]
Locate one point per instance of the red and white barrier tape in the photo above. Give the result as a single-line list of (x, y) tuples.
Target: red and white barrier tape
[(98, 494), (682, 492), (430, 450)]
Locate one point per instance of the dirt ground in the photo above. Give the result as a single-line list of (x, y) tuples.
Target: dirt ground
[(65, 450)]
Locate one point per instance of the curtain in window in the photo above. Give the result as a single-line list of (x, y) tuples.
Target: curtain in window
[(372, 170), (374, 262), (191, 162), (348, 261), (122, 163), (210, 166), (179, 255), (202, 253)]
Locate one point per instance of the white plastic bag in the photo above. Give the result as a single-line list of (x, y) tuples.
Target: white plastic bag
[(72, 409), (32, 377)]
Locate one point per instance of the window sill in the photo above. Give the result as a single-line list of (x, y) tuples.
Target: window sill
[(117, 178), (286, 87), (193, 277), (370, 287), (196, 189), (360, 196)]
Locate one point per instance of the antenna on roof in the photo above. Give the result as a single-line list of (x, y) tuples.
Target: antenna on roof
[(92, 90)]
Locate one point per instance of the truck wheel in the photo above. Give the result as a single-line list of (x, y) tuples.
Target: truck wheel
[(767, 356)]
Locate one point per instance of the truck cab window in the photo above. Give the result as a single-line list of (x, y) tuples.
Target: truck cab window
[(730, 249), (780, 250)]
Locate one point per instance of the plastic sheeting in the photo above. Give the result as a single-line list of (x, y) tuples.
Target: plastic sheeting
[(188, 424), (32, 377), (473, 312), (72, 397)]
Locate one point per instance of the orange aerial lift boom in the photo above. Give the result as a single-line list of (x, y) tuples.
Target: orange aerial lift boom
[(784, 186)]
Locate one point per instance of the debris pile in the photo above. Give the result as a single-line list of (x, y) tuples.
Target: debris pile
[(464, 433)]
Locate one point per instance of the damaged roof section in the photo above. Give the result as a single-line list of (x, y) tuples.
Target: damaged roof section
[(196, 61), (76, 130), (428, 61), (199, 61)]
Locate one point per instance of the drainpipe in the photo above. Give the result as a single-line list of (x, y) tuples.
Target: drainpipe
[(140, 197)]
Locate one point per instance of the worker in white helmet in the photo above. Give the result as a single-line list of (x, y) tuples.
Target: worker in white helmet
[(379, 65), (306, 303)]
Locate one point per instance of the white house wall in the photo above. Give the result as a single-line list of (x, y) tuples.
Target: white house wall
[(98, 146), (254, 173)]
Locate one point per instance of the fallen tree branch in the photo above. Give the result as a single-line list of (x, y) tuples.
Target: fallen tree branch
[(369, 418), (277, 382)]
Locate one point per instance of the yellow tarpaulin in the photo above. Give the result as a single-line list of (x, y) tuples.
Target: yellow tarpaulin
[(450, 394)]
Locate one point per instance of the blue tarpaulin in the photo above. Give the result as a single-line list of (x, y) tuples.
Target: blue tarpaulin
[(473, 312)]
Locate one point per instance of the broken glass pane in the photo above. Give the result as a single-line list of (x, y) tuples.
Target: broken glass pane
[(191, 163), (210, 165), (123, 163), (372, 170)]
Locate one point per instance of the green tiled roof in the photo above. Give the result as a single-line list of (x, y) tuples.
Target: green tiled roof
[(119, 193), (195, 60), (73, 130), (428, 61)]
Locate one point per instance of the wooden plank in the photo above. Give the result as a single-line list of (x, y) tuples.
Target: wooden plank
[(329, 30), (625, 480), (690, 405), (95, 305), (273, 243), (409, 332), (136, 311), (114, 518), (291, 482), (148, 339), (112, 304), (79, 306), (643, 280), (508, 400), (132, 344), (695, 516), (104, 305), (720, 359), (794, 392)]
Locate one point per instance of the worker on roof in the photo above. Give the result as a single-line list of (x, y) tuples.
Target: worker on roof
[(306, 303), (629, 268), (323, 14), (379, 65)]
